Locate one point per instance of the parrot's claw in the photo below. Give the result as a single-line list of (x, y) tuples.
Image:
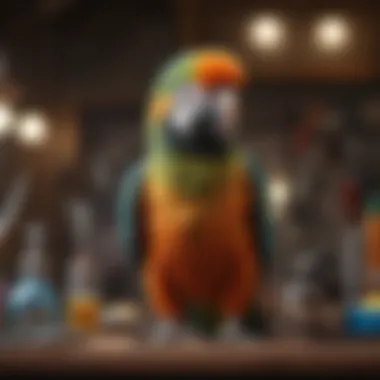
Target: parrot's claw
[(231, 331)]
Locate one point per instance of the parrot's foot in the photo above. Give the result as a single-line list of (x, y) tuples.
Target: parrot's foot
[(166, 332), (232, 331)]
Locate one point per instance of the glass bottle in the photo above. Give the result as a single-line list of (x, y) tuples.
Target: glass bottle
[(362, 314), (32, 301), (352, 243), (83, 301), (371, 230)]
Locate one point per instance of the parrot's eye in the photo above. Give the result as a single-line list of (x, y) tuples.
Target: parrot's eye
[(227, 104), (188, 102)]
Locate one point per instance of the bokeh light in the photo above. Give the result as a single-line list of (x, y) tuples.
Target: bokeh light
[(266, 32), (332, 34), (279, 192), (33, 129)]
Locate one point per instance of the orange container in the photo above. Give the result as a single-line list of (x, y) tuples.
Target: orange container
[(83, 312), (371, 227)]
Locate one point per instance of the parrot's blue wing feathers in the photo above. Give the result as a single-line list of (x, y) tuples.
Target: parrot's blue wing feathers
[(262, 227), (128, 213), (262, 230)]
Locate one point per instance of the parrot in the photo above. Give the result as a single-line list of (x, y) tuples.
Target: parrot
[(192, 213)]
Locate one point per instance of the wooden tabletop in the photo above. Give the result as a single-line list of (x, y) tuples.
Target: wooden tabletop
[(118, 353), (119, 350)]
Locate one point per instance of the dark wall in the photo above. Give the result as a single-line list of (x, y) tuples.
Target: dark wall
[(92, 52)]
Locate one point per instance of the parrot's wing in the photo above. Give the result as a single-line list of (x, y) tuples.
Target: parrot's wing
[(262, 230), (129, 214), (260, 219)]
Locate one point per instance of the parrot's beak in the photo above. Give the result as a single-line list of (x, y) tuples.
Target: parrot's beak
[(201, 133)]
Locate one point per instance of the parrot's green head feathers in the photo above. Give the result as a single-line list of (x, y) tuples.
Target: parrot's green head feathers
[(191, 87), (193, 110)]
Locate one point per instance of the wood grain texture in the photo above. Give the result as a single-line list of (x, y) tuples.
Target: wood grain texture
[(285, 357)]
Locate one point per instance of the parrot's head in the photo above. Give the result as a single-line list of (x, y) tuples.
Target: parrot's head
[(193, 115)]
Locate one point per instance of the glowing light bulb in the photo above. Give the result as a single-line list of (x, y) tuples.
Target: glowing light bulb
[(332, 33), (32, 129), (266, 32)]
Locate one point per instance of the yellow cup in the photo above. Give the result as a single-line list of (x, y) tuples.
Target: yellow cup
[(83, 312), (372, 301)]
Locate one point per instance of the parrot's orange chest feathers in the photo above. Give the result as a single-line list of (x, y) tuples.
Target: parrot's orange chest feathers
[(198, 242), (175, 219)]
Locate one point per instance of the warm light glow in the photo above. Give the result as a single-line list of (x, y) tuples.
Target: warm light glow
[(33, 129), (266, 32), (6, 119), (278, 195), (332, 33)]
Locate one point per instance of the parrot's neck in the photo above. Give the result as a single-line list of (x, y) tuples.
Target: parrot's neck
[(190, 176)]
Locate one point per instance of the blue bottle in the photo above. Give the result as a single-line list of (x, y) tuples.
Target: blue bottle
[(362, 313), (361, 320), (32, 303)]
